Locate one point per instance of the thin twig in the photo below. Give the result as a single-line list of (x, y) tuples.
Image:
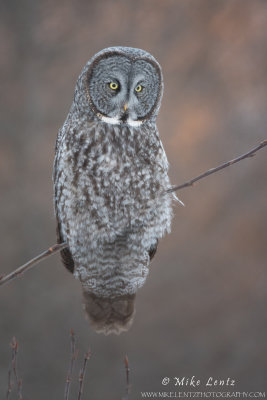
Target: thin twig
[(73, 356), (82, 373), (14, 346), (216, 169), (25, 267), (127, 370), (9, 384)]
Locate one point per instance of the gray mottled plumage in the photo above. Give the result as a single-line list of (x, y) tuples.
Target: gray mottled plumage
[(109, 172)]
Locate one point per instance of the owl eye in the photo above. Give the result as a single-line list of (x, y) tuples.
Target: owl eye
[(138, 88), (114, 85)]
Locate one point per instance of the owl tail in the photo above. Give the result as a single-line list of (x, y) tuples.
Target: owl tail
[(109, 315)]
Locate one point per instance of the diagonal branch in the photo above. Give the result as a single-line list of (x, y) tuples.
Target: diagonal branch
[(25, 267), (250, 153), (57, 247)]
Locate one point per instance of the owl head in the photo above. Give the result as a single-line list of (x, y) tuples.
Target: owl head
[(120, 85)]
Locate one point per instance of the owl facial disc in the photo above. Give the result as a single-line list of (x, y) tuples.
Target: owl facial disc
[(124, 88)]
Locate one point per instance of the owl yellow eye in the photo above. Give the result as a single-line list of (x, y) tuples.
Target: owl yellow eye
[(113, 85), (139, 88)]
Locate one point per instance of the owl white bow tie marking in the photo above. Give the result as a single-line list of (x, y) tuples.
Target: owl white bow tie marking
[(117, 121)]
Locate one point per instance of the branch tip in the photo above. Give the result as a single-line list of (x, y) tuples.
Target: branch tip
[(34, 261), (126, 361), (211, 171)]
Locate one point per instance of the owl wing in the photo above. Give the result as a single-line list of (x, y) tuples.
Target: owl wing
[(153, 249), (66, 255)]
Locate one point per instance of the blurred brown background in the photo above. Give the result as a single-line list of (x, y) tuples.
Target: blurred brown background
[(202, 311)]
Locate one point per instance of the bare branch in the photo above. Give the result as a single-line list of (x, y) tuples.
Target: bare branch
[(82, 373), (20, 270), (9, 384), (127, 370), (73, 356), (14, 346), (216, 169)]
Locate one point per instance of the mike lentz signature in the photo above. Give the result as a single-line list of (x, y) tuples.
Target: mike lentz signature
[(194, 382)]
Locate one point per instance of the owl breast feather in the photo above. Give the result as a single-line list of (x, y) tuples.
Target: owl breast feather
[(108, 185)]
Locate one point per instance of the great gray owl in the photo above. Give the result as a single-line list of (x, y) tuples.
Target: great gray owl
[(110, 173)]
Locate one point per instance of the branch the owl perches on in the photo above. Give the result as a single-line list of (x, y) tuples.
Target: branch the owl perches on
[(58, 247)]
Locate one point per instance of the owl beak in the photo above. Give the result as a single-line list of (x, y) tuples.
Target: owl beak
[(125, 107)]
